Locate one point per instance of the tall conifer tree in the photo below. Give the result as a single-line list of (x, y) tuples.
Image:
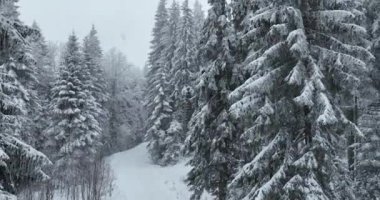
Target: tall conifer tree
[(367, 154), (45, 77), (20, 164), (93, 58), (158, 91), (212, 133), (184, 68), (300, 57), (74, 131)]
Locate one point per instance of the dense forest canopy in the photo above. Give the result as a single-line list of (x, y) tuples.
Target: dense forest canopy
[(264, 99)]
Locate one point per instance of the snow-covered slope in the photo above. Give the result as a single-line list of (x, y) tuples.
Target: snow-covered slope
[(138, 179)]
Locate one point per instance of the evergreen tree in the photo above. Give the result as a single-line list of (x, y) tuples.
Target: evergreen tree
[(299, 58), (368, 161), (93, 59), (171, 37), (367, 152), (212, 133), (171, 34), (45, 73), (74, 130), (191, 95), (20, 164), (184, 69), (158, 105), (159, 123), (372, 7), (45, 76), (96, 83), (199, 20), (175, 133)]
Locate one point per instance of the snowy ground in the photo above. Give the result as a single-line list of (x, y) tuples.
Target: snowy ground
[(138, 179)]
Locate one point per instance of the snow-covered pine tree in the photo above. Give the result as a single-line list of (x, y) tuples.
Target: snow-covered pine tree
[(74, 131), (171, 37), (184, 69), (160, 141), (158, 93), (352, 104), (96, 83), (20, 164), (45, 73), (93, 58), (175, 133), (192, 93), (246, 43), (368, 159), (171, 34), (367, 164), (18, 68), (199, 20), (299, 55), (373, 15), (45, 76), (212, 134), (157, 47)]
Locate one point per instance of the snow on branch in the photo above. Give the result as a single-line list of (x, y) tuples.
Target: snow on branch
[(328, 116)]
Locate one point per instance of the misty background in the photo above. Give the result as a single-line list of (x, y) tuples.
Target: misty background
[(124, 24)]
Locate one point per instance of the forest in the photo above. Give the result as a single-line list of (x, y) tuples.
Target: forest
[(260, 99)]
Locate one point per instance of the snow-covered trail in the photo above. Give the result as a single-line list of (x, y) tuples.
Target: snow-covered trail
[(138, 179)]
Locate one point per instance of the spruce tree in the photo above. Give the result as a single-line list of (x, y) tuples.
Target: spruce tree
[(299, 58), (372, 8), (212, 133), (96, 83), (191, 94), (20, 164), (159, 120), (158, 96), (199, 19), (45, 73), (171, 37), (45, 76), (368, 159), (93, 58), (367, 152), (74, 130), (175, 133), (184, 68), (171, 34), (157, 47)]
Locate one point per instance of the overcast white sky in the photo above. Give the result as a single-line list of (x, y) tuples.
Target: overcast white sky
[(125, 24)]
